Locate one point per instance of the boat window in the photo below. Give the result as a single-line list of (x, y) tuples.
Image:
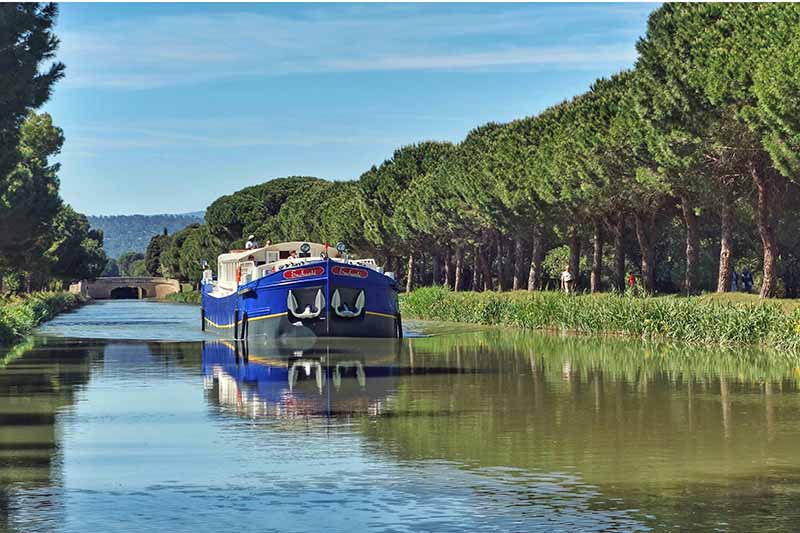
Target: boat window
[(284, 254), (272, 256)]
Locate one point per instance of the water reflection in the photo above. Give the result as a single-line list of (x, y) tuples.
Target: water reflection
[(37, 381), (483, 430), (288, 382)]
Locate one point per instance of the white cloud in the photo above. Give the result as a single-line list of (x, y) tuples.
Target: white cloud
[(566, 57), (150, 51)]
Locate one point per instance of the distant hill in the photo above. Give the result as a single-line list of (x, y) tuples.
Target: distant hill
[(126, 233)]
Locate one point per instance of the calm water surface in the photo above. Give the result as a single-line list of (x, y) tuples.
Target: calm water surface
[(122, 416)]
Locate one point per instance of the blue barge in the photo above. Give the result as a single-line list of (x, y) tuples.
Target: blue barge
[(299, 289)]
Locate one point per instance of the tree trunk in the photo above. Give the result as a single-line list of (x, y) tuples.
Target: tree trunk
[(644, 230), (458, 273), (500, 258), (692, 245), (436, 269), (575, 257), (537, 254), (447, 276), (725, 245), (619, 253), (410, 275), (519, 258), (597, 256), (766, 230), (486, 266), (476, 268)]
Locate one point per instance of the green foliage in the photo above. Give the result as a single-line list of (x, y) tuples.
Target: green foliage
[(12, 284), (126, 261), (231, 218), (385, 201), (557, 259), (198, 245), (152, 256), (27, 52), (138, 269), (685, 319), (75, 251), (29, 193), (188, 297), (19, 315), (111, 270)]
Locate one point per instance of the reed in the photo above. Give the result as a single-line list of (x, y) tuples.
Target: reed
[(694, 319), (20, 314), (188, 297)]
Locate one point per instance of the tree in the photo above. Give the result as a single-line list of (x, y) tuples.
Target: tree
[(111, 270), (126, 260), (29, 194), (199, 245), (152, 256), (250, 210), (706, 56), (383, 193), (27, 70), (75, 250)]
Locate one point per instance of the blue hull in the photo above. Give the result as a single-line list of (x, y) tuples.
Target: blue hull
[(261, 309)]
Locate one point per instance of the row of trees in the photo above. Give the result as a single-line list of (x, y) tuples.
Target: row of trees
[(42, 240), (681, 170)]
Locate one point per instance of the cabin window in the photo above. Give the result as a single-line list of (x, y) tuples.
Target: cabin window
[(284, 254), (272, 256)]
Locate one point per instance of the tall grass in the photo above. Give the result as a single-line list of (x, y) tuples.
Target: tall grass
[(668, 317), (188, 297), (19, 315)]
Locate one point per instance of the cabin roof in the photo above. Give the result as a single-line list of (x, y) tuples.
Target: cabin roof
[(316, 250)]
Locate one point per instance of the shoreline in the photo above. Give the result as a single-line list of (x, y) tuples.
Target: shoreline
[(698, 320), (188, 297), (20, 315)]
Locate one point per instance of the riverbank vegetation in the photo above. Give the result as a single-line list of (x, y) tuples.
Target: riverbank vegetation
[(188, 297), (44, 243), (693, 319), (681, 171), (20, 314)]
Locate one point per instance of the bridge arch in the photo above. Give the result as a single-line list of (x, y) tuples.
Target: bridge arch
[(127, 293), (127, 287)]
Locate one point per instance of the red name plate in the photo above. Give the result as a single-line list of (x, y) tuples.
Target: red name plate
[(352, 272), (296, 273)]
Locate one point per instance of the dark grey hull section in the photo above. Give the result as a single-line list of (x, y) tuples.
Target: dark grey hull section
[(282, 327)]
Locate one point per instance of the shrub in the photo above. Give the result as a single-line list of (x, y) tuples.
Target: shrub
[(19, 315), (186, 297)]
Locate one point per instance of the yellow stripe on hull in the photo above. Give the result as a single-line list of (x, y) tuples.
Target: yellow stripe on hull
[(227, 326), (384, 315), (278, 315)]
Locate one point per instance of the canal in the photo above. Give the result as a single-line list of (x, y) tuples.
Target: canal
[(123, 416)]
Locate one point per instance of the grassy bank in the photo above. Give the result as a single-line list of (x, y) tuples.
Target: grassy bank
[(699, 319), (19, 315), (188, 297)]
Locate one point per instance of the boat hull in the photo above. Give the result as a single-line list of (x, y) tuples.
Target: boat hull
[(263, 308)]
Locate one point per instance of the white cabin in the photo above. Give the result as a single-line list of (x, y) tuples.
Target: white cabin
[(249, 265)]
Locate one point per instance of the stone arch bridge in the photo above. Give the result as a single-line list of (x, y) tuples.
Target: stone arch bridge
[(129, 287)]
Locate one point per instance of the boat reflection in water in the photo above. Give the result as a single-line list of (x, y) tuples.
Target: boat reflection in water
[(319, 379)]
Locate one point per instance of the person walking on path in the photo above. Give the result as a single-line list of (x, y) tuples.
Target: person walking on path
[(567, 280)]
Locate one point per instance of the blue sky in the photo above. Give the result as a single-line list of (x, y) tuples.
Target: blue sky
[(165, 107)]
